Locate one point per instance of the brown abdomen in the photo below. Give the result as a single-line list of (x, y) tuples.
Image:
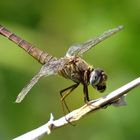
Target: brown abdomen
[(38, 54)]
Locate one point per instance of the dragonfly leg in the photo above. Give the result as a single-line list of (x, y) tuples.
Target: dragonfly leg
[(85, 90), (64, 93), (71, 88)]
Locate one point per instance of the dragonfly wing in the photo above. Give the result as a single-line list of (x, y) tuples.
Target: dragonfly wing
[(74, 50), (27, 88), (46, 70), (81, 48)]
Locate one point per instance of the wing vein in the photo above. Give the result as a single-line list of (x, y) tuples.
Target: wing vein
[(81, 48)]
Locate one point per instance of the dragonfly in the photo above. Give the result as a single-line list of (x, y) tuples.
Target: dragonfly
[(71, 66)]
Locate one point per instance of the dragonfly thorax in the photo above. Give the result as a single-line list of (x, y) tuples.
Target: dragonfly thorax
[(75, 70)]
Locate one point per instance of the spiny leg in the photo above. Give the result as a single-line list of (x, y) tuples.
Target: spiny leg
[(85, 90), (64, 93), (63, 101), (67, 93), (63, 96)]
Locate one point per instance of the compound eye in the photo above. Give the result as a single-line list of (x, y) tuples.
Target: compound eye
[(95, 78)]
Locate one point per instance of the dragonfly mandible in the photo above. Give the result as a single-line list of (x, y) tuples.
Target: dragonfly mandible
[(71, 66)]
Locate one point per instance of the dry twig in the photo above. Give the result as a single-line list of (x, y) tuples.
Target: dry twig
[(114, 98)]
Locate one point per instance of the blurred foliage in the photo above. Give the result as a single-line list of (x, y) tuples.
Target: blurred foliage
[(54, 26)]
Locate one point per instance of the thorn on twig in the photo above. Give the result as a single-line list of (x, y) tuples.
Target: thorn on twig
[(50, 123)]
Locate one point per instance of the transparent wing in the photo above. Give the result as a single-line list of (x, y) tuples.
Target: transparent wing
[(27, 88), (81, 48), (46, 70)]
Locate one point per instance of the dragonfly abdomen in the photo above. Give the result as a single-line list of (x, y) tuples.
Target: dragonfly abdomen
[(38, 54)]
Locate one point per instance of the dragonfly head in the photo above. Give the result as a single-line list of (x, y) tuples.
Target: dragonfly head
[(98, 79)]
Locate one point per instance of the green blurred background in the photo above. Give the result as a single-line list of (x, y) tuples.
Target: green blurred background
[(54, 26)]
